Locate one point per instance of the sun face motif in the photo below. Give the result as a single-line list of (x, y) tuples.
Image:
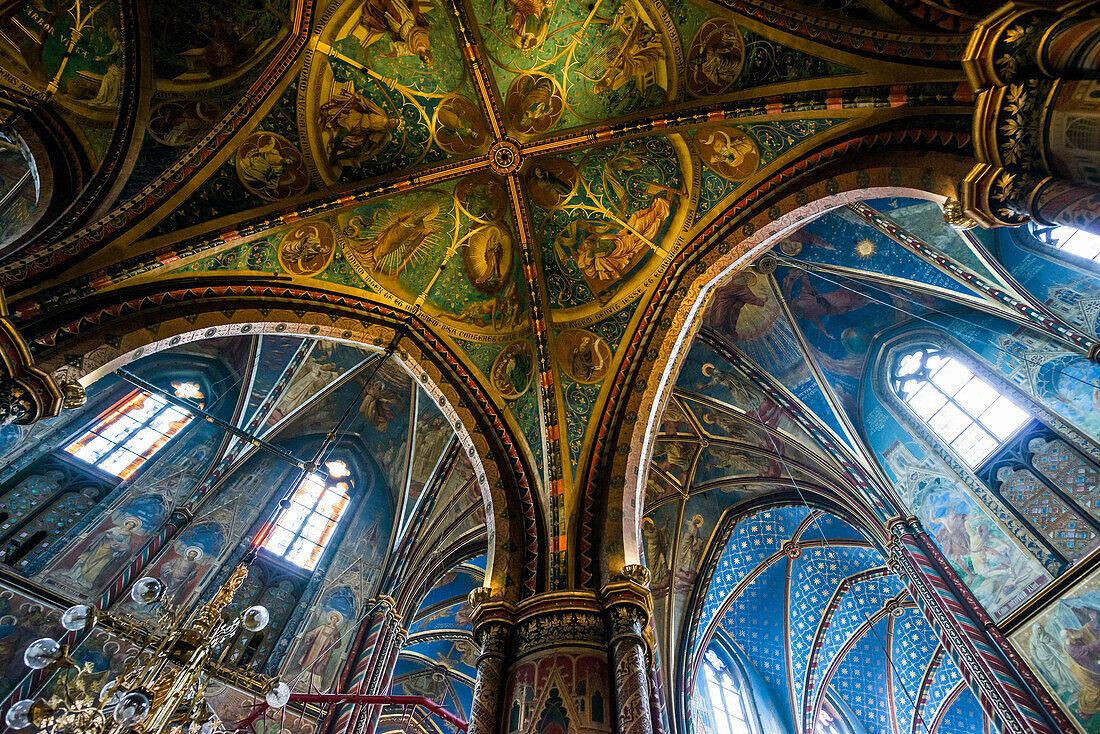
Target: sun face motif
[(865, 248)]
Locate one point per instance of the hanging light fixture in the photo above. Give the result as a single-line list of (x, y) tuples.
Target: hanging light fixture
[(162, 689)]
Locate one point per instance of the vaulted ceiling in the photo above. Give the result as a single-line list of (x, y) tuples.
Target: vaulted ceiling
[(517, 176)]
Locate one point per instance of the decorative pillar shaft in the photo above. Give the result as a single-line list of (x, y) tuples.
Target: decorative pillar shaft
[(493, 634), (628, 604), (956, 616), (361, 666), (382, 674), (632, 690)]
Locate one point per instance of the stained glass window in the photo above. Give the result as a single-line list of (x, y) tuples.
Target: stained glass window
[(727, 699), (302, 530), (1067, 239), (960, 407), (134, 429)]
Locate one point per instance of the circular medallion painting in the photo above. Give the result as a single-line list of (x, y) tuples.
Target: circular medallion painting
[(482, 196), (271, 167), (512, 369), (715, 58), (534, 103), (727, 151), (181, 121), (584, 356), (458, 126), (307, 249), (551, 181)]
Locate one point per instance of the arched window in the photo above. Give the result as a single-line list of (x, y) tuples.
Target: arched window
[(965, 411), (831, 721), (130, 432), (728, 698), (302, 530), (1067, 239)]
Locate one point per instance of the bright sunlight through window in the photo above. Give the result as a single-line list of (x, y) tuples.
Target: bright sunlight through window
[(303, 530), (726, 698), (963, 410), (128, 434)]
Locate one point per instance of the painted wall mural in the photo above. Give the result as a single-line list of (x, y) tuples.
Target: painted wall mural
[(1057, 643)]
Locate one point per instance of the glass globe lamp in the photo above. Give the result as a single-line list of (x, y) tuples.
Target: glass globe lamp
[(147, 590), (132, 709), (254, 619), (78, 618), (19, 715), (278, 696), (42, 653)]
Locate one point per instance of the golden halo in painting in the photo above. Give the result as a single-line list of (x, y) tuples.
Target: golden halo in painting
[(715, 58), (550, 181), (534, 103), (271, 167), (583, 356), (727, 151), (487, 258), (307, 249), (511, 370), (458, 126)]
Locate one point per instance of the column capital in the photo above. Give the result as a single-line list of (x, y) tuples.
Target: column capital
[(1006, 43), (27, 393)]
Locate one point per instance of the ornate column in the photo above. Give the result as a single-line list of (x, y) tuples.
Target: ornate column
[(382, 670), (628, 605), (999, 679), (1036, 72), (27, 394), (361, 666), (493, 633)]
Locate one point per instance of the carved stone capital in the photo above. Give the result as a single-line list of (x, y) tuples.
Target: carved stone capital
[(27, 394), (955, 216)]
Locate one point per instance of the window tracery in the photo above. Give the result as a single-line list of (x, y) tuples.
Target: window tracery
[(303, 530), (728, 697), (133, 430), (1044, 481), (1067, 239), (963, 410)]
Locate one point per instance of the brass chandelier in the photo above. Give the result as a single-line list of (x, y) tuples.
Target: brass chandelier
[(162, 688)]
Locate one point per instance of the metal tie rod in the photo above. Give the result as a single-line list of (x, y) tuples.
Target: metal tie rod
[(228, 427)]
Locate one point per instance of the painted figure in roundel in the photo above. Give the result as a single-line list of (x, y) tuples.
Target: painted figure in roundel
[(389, 245), (307, 249), (551, 181), (271, 167), (727, 151), (482, 197), (458, 126), (534, 104), (511, 370), (403, 21), (715, 58), (487, 258), (584, 356), (354, 129), (182, 121)]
